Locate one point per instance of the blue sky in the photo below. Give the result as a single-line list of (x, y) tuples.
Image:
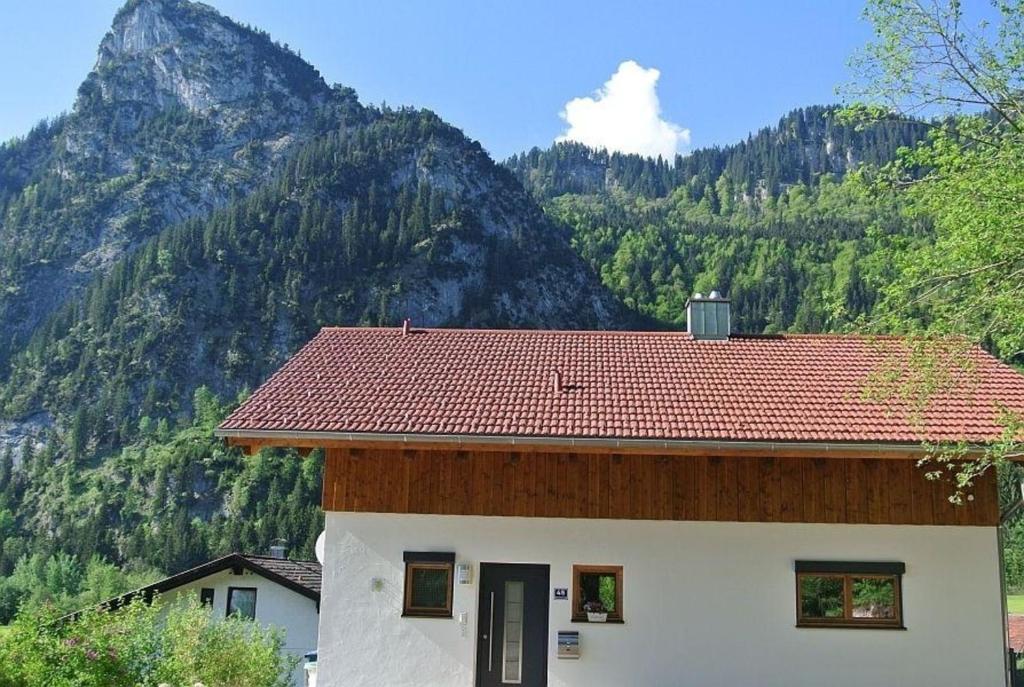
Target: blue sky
[(502, 71)]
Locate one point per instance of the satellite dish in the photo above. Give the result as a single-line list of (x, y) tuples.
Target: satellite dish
[(319, 547)]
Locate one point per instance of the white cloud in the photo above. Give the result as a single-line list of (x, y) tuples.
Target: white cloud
[(625, 115)]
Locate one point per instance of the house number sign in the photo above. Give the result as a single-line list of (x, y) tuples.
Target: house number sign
[(561, 593)]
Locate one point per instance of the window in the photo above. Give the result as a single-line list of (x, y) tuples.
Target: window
[(206, 596), (428, 584), (842, 594), (242, 600), (597, 589)]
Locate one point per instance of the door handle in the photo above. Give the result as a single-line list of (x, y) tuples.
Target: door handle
[(490, 638)]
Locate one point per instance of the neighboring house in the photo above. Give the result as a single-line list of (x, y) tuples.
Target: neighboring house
[(624, 508), (272, 590)]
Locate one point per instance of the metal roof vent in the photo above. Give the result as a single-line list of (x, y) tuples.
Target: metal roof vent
[(708, 318)]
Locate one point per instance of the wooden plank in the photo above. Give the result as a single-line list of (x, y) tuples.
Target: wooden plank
[(922, 511), (706, 501), (617, 488), (877, 496), (898, 490), (838, 484), (663, 484), (604, 478), (726, 486), (593, 481), (330, 481), (770, 485), (812, 481), (986, 494), (944, 510), (856, 492), (679, 483), (578, 484), (790, 490), (748, 475)]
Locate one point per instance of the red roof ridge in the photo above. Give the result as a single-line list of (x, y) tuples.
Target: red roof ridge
[(853, 336)]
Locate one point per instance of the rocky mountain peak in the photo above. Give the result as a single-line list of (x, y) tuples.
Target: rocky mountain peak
[(140, 27), (177, 53)]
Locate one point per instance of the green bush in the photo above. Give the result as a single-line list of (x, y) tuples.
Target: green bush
[(178, 644)]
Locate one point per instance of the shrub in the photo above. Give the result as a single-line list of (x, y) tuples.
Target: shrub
[(177, 644)]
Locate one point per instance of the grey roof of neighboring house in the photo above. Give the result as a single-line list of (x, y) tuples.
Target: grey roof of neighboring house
[(302, 577)]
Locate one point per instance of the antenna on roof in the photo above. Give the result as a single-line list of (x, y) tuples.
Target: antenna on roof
[(405, 327)]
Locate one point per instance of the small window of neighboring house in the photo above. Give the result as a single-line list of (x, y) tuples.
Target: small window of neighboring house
[(206, 596), (597, 593), (428, 584), (242, 601), (849, 594)]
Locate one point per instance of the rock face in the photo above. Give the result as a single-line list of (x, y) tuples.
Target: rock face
[(161, 55), (183, 110)]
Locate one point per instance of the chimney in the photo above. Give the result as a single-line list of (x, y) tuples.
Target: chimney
[(278, 549), (406, 324), (708, 318)]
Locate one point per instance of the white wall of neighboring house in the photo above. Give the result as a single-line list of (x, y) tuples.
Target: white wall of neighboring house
[(276, 605), (705, 604)]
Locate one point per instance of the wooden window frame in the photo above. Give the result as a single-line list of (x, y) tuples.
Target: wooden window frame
[(578, 614), (255, 600), (847, 572), (428, 560)]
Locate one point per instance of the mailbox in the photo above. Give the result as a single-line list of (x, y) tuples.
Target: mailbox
[(568, 644)]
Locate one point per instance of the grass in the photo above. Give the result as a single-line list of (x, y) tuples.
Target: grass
[(1015, 604)]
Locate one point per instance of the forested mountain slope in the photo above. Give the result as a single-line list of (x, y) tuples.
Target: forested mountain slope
[(778, 222), (207, 205)]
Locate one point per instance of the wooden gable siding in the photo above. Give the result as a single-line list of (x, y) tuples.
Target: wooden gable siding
[(647, 487)]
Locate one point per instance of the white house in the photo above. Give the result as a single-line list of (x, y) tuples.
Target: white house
[(628, 508), (272, 590)]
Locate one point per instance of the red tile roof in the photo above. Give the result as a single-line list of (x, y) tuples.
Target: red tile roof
[(624, 385), (1016, 623)]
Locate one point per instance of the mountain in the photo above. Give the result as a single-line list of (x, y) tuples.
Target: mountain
[(804, 145), (182, 111), (187, 112), (776, 221), (206, 206)]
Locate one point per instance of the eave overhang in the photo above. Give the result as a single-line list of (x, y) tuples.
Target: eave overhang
[(254, 440)]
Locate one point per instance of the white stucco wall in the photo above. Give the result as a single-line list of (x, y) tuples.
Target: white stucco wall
[(276, 606), (708, 604)]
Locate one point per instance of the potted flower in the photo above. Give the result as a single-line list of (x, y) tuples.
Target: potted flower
[(596, 612)]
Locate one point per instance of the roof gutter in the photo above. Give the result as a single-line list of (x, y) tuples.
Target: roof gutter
[(476, 440)]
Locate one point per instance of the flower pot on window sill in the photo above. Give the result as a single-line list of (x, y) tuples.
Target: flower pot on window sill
[(596, 617)]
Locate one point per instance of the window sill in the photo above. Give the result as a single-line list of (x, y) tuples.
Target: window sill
[(610, 621), (436, 616), (848, 626)]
